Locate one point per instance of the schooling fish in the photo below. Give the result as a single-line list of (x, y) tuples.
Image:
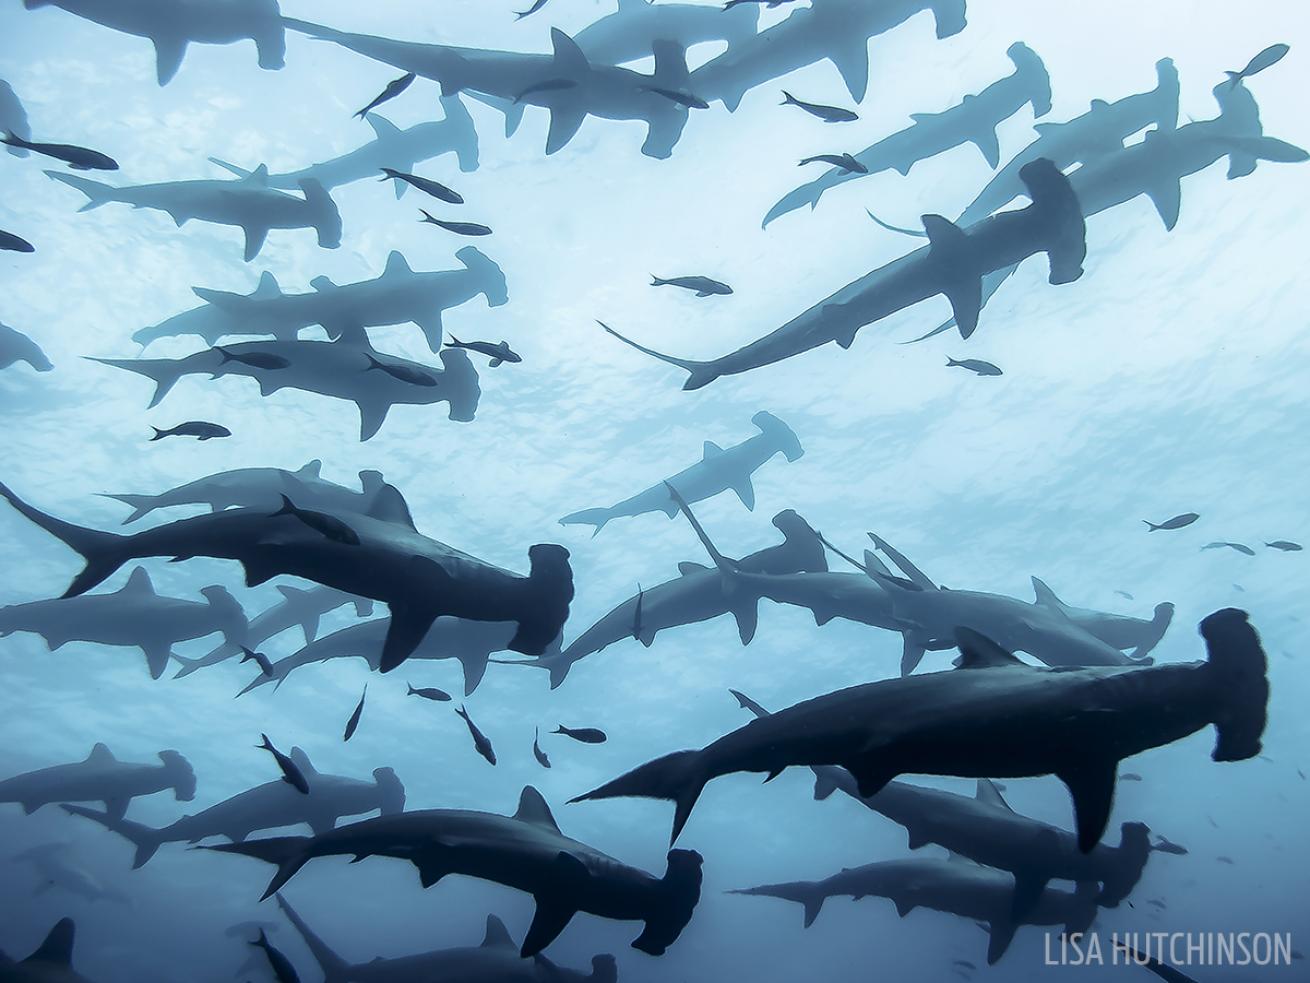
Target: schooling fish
[(15, 244), (584, 735), (193, 428), (1272, 55), (429, 693), (415, 377), (353, 723), (480, 742), (975, 365), (328, 525), (537, 752), (547, 85), (459, 228), (1241, 548), (259, 658), (702, 285), (845, 161), (291, 773), (520, 14), (259, 360), (433, 188), (497, 353), (78, 158), (829, 114), (282, 968), (1124, 594), (1285, 546), (393, 89), (688, 99), (1177, 522)]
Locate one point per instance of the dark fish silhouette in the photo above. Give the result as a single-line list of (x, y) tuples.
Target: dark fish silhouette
[(703, 286), (584, 735), (405, 373), (193, 428), (636, 613), (546, 85), (328, 525), (427, 186), (353, 723), (1124, 594), (498, 353), (1163, 844), (259, 658), (1225, 860), (480, 742), (688, 99), (291, 773), (537, 5), (975, 365), (393, 89), (429, 693), (1177, 522), (459, 228), (259, 360), (15, 244), (829, 114), (78, 158), (282, 968), (1130, 776), (1239, 547), (1271, 56), (845, 161), (537, 752), (1285, 546)]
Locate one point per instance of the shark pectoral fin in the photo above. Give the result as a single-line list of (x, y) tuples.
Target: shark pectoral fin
[(1167, 197), (911, 653), (745, 491), (169, 52), (951, 254), (917, 838), (1001, 932), (748, 620), (406, 631), (475, 667), (117, 808), (371, 417), (430, 871), (989, 146), (565, 120), (869, 776), (309, 627), (255, 236), (259, 570), (852, 62), (1028, 890), (496, 362), (433, 330), (157, 656), (553, 911), (903, 906), (1091, 785)]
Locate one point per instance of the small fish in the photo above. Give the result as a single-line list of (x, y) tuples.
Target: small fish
[(353, 723), (537, 752), (703, 286), (193, 428), (15, 244), (429, 693), (829, 114), (480, 742), (520, 14), (964, 963), (1157, 902), (1285, 546), (259, 658), (1301, 773), (1232, 546), (78, 158), (1212, 822), (975, 365), (282, 968), (584, 735), (328, 526), (291, 773), (844, 161), (259, 360), (498, 353), (1124, 594), (405, 373), (1226, 860), (1239, 588), (1271, 56), (688, 99), (427, 186), (547, 85), (636, 614), (1130, 776), (393, 89), (1177, 522), (459, 228), (768, 3)]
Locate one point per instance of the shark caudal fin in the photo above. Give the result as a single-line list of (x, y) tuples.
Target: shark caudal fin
[(809, 895), (104, 552), (726, 566), (699, 374), (487, 275), (678, 777), (335, 969), (324, 216), (588, 517), (164, 372), (141, 505), (1238, 664), (288, 853), (557, 665), (676, 900), (145, 839), (97, 193), (1129, 861)]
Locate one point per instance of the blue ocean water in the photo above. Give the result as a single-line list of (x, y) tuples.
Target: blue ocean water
[(1168, 378)]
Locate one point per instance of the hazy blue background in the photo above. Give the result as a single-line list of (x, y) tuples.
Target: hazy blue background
[(1170, 378)]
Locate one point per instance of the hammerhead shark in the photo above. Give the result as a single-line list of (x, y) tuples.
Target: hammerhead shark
[(1119, 631), (400, 150), (52, 962), (171, 25), (132, 617), (956, 887), (398, 296), (349, 369), (101, 777), (55, 866), (18, 347), (836, 30), (953, 264), (13, 117), (630, 33), (720, 469), (249, 204), (564, 82), (525, 851), (268, 806), (986, 830), (696, 595), (497, 958), (993, 717), (973, 120), (418, 578)]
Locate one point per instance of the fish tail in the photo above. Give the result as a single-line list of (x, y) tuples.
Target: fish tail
[(97, 193), (809, 896), (787, 99), (699, 373), (146, 839), (288, 853), (164, 372), (335, 969), (679, 777), (104, 552), (725, 565), (1238, 664), (1151, 526), (140, 504), (588, 517), (656, 281)]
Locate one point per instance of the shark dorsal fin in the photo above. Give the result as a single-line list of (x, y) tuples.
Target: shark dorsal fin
[(712, 450), (258, 176), (101, 754), (688, 567), (302, 761), (57, 949), (138, 583), (396, 263), (1100, 104), (977, 651), (533, 809), (291, 593), (569, 58), (311, 470), (321, 283), (382, 126), (497, 935), (268, 286), (388, 505), (991, 795), (1045, 596)]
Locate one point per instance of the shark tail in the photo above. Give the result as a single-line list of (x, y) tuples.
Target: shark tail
[(141, 505), (725, 565), (679, 777), (104, 552), (806, 194), (557, 665), (588, 517), (1238, 665), (699, 374), (288, 853), (97, 192), (1130, 860), (810, 896), (163, 371), (189, 665), (146, 839), (334, 968)]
